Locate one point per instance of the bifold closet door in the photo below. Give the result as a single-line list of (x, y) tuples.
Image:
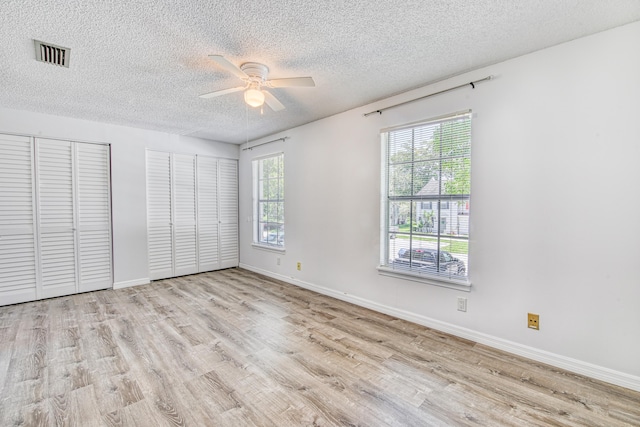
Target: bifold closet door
[(18, 244), (228, 208), (192, 211), (217, 213), (94, 216), (208, 217), (56, 225), (184, 214), (55, 218), (159, 221), (171, 211)]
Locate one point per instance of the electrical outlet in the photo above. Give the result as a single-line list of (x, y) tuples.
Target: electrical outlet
[(462, 304), (278, 261), (533, 321), (299, 266)]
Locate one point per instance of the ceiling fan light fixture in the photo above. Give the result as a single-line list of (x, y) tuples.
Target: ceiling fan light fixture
[(254, 97)]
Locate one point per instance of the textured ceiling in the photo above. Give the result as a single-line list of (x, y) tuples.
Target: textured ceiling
[(143, 63)]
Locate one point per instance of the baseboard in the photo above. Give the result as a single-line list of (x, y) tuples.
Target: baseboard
[(573, 365), (130, 283)]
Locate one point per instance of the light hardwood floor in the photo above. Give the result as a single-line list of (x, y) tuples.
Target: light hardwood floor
[(232, 348)]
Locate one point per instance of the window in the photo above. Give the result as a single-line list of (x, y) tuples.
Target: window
[(425, 195), (268, 201)]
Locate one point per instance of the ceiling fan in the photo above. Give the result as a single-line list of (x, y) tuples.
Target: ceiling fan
[(255, 77)]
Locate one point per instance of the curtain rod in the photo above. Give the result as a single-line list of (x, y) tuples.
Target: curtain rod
[(263, 143), (473, 86)]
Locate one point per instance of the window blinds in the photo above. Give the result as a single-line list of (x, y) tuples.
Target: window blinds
[(427, 197)]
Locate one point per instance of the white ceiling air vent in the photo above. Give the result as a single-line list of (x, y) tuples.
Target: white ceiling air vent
[(52, 54)]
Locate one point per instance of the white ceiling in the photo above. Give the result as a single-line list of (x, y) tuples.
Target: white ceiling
[(143, 63)]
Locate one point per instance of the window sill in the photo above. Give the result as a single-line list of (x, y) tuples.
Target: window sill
[(461, 285), (270, 248)]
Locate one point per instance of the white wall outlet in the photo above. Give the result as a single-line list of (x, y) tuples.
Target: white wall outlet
[(462, 304), (278, 261)]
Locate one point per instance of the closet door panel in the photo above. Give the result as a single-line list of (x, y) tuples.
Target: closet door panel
[(184, 214), (55, 189), (18, 261), (228, 208), (208, 220), (160, 229), (94, 217)]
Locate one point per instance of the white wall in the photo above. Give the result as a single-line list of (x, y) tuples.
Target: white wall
[(553, 133), (128, 175)]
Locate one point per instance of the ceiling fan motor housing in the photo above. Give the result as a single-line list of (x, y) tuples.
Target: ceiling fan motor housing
[(255, 71)]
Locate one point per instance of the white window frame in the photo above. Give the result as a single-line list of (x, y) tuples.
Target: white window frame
[(386, 233), (259, 240)]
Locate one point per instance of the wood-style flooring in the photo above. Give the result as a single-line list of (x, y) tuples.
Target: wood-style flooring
[(232, 348)]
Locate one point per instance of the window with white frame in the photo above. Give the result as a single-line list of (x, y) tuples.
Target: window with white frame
[(426, 192), (268, 201)]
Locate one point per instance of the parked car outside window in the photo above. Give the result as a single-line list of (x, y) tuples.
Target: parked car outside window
[(424, 260)]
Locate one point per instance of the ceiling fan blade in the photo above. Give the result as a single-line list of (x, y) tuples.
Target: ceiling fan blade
[(228, 66), (272, 101), (222, 92), (291, 82)]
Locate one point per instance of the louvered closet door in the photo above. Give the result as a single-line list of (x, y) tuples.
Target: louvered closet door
[(94, 216), (18, 261), (228, 203), (160, 229), (208, 219), (57, 233), (184, 214)]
